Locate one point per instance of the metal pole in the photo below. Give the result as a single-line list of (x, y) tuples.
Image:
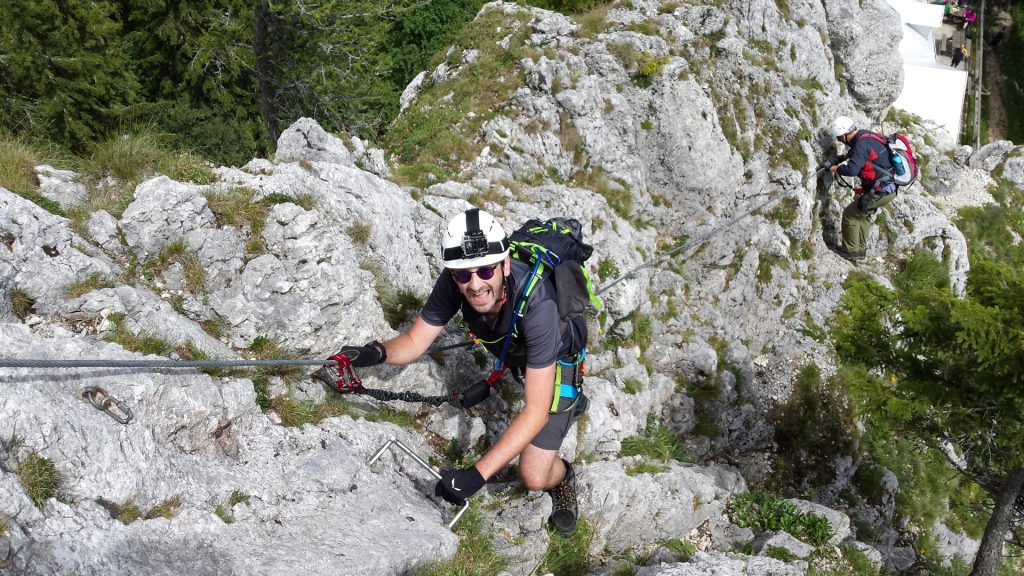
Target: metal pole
[(394, 441), (979, 52)]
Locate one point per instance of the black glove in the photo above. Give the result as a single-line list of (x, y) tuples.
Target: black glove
[(369, 354), (457, 485), (475, 394)]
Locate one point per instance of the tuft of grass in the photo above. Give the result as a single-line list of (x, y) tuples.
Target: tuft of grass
[(657, 442), (475, 555), (785, 212), (178, 252), (40, 478), (5, 525), (167, 509), (128, 512), (131, 156), (683, 549), (238, 497), (224, 513), (569, 556), (237, 207), (360, 232), (632, 386), (400, 306), (22, 303), (142, 343), (18, 159), (614, 191), (921, 270), (83, 286)]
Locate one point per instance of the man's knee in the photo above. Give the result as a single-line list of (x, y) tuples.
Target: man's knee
[(534, 480)]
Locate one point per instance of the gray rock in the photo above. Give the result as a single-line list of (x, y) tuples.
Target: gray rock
[(41, 256), (855, 44), (1013, 170), (764, 544), (60, 186), (720, 564), (681, 499), (163, 212), (306, 141), (991, 155)]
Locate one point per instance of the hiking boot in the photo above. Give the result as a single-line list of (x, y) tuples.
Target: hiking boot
[(851, 256), (563, 503)]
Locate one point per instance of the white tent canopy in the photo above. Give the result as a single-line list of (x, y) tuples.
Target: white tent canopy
[(931, 90)]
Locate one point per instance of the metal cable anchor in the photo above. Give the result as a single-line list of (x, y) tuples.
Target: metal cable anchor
[(104, 402), (419, 461)]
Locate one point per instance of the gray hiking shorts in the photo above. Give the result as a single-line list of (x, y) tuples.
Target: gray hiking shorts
[(551, 435)]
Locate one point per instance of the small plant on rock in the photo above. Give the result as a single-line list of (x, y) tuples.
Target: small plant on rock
[(40, 478), (83, 286), (22, 303), (657, 442), (166, 509)]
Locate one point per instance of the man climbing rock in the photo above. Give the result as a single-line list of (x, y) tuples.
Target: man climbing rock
[(868, 158), (482, 281)]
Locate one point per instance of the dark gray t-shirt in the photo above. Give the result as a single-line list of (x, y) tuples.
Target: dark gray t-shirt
[(537, 343)]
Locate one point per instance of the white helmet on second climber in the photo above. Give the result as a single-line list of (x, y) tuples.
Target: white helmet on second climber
[(841, 125), (472, 239)]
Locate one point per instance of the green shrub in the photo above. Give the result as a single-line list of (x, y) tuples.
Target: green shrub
[(921, 270), (814, 427), (763, 512), (40, 478), (657, 442), (650, 67)]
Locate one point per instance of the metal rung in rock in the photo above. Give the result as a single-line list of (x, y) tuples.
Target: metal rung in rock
[(419, 461)]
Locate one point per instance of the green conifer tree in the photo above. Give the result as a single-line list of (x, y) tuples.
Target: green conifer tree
[(957, 368), (63, 72)]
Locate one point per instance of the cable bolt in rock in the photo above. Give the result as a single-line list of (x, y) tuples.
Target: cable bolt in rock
[(421, 462), (104, 402)]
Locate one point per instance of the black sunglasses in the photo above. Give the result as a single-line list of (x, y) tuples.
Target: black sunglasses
[(464, 276)]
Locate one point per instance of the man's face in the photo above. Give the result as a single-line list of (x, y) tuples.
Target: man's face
[(484, 296)]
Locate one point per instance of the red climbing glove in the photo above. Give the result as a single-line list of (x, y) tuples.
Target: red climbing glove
[(369, 354), (456, 486)]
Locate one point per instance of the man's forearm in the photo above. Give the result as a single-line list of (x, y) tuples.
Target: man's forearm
[(410, 345)]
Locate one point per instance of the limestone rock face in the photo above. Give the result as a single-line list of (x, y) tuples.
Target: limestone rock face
[(865, 40), (682, 137)]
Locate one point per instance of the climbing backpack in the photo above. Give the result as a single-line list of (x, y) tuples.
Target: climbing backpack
[(901, 157), (554, 249)]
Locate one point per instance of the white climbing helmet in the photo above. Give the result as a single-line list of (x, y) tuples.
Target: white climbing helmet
[(472, 239), (841, 125)]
